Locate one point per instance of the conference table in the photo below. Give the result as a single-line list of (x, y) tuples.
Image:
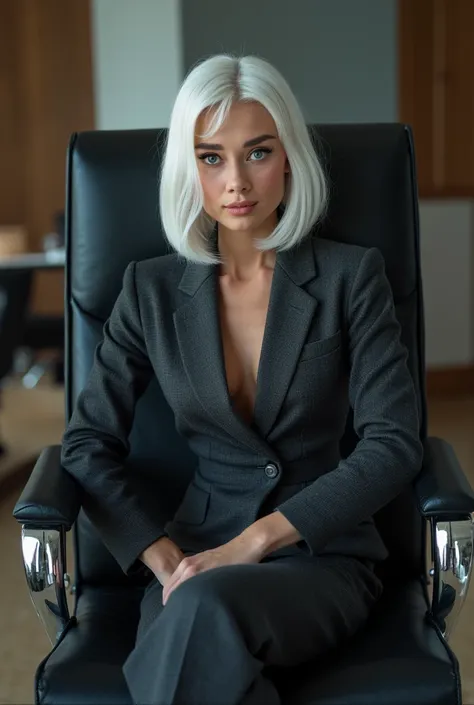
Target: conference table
[(43, 328), (52, 259)]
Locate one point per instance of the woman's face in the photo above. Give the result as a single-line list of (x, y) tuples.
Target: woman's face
[(244, 161)]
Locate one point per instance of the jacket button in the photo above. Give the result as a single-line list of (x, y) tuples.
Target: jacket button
[(271, 470)]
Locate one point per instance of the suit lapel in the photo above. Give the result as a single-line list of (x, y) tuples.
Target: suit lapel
[(290, 312)]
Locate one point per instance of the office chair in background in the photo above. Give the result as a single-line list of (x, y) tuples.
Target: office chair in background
[(15, 290)]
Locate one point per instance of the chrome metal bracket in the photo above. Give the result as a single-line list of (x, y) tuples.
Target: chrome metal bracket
[(452, 546), (44, 558)]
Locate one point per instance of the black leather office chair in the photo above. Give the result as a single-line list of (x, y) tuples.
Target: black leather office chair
[(15, 289), (401, 657), (43, 332)]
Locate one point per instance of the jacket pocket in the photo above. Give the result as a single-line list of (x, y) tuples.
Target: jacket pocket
[(317, 348), (194, 506)]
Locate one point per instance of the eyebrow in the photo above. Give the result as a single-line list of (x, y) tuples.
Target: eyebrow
[(249, 143)]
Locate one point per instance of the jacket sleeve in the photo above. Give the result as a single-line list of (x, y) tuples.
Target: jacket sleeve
[(389, 452), (95, 444)]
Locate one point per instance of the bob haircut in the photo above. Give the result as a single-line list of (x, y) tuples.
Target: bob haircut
[(218, 82)]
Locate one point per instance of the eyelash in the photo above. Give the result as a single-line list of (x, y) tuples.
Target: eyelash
[(266, 150)]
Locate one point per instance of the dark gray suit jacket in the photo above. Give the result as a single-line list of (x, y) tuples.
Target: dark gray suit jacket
[(331, 340)]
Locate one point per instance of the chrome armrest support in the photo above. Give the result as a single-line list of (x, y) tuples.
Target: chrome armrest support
[(47, 508), (452, 547), (44, 557), (446, 499)]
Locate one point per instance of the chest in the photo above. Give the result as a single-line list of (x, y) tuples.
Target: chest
[(243, 311)]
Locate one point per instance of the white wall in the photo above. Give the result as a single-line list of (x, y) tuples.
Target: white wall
[(447, 255), (137, 61), (339, 56)]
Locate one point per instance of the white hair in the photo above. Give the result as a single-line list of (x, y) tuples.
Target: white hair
[(220, 81)]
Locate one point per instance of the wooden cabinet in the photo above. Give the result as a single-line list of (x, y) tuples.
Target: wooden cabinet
[(436, 92), (46, 93)]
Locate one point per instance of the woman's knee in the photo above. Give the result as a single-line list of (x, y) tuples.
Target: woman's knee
[(218, 587)]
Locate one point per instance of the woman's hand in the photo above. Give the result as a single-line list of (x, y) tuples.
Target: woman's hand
[(237, 551), (162, 557)]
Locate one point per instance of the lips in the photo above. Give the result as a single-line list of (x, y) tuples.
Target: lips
[(242, 208), (241, 204)]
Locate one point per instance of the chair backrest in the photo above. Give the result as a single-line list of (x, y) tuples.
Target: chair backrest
[(112, 218), (15, 289)]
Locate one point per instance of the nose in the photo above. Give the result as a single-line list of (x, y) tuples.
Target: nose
[(237, 180)]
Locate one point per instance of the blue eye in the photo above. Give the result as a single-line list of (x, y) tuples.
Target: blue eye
[(203, 157), (262, 151)]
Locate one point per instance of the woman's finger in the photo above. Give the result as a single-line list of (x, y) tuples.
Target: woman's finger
[(183, 569), (176, 583), (172, 589), (188, 570), (175, 577)]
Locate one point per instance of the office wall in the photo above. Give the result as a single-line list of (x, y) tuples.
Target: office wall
[(339, 56), (137, 55), (447, 251)]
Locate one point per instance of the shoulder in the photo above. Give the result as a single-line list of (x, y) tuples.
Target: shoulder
[(163, 266), (349, 272), (344, 260), (157, 282), (159, 274), (342, 255)]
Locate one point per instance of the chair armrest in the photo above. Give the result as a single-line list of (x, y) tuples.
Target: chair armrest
[(441, 488), (51, 497)]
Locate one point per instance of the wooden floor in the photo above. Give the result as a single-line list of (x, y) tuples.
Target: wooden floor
[(31, 419)]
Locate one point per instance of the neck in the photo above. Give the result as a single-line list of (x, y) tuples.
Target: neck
[(242, 261)]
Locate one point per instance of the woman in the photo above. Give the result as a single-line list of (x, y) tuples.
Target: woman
[(261, 338)]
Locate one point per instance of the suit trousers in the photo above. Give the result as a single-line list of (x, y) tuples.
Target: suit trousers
[(219, 629)]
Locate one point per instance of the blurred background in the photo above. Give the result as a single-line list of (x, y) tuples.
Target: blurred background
[(71, 65)]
